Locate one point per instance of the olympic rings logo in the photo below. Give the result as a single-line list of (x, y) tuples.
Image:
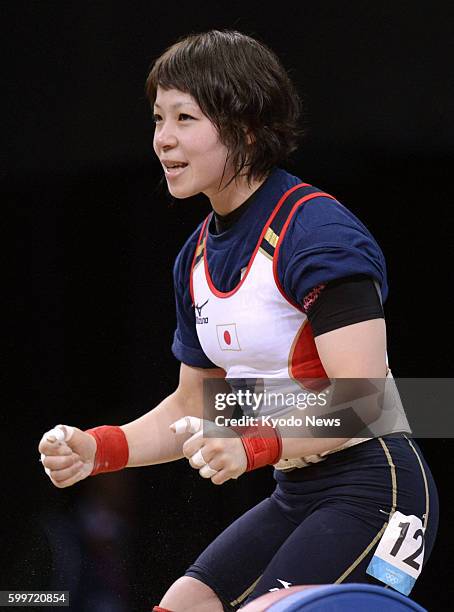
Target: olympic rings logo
[(391, 578)]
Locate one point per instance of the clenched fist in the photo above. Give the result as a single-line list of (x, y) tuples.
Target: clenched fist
[(67, 454), (217, 458)]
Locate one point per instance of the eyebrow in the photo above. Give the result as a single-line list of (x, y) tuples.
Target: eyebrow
[(177, 104)]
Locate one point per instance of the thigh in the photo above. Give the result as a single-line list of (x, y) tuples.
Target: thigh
[(336, 542), (234, 562), (329, 546)]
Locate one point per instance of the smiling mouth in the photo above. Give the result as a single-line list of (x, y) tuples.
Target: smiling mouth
[(175, 170)]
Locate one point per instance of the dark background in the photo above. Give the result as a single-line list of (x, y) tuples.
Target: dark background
[(91, 300)]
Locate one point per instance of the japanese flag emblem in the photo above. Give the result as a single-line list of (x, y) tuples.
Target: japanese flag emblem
[(227, 337)]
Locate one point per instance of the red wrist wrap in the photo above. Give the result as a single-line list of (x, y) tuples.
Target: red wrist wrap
[(262, 443), (112, 451)]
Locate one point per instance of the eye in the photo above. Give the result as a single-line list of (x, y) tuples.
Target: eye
[(184, 117), (156, 118)]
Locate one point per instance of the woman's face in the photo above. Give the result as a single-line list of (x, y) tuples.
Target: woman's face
[(188, 146)]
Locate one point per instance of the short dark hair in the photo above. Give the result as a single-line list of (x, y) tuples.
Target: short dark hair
[(242, 87)]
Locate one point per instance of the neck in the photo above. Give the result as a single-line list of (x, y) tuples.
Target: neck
[(230, 198)]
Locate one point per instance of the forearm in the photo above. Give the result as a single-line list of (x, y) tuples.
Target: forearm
[(149, 438), (351, 408)]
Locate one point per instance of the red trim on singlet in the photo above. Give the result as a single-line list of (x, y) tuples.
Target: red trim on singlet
[(222, 294), (191, 286), (304, 361), (281, 237), (305, 364)]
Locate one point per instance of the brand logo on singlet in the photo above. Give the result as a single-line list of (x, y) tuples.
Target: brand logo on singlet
[(198, 317)]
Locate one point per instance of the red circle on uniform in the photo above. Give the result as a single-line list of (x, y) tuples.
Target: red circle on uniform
[(227, 338)]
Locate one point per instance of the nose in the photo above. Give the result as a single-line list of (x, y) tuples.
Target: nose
[(164, 136)]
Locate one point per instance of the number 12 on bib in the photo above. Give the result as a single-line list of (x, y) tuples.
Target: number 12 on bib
[(400, 553)]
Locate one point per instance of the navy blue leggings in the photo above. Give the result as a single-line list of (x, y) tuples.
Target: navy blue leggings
[(322, 523)]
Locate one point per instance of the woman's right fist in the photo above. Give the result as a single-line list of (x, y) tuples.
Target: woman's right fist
[(67, 454)]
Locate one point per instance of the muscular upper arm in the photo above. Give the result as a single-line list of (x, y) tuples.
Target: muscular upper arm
[(190, 387), (354, 351)]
